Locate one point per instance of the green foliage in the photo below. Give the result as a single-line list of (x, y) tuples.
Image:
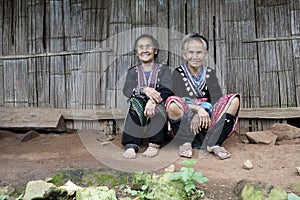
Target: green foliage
[(141, 194), (3, 196), (189, 176), (87, 178), (108, 178), (63, 176), (57, 179), (152, 186)]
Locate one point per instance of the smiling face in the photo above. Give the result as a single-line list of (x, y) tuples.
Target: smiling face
[(145, 50), (195, 54)]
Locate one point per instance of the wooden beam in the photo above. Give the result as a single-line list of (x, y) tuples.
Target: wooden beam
[(54, 119), (92, 114), (271, 39), (270, 113)]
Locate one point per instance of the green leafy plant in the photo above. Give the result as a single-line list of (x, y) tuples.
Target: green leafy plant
[(189, 177), (141, 194), (3, 196)]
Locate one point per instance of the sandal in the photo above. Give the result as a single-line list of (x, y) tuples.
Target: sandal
[(129, 153), (220, 152), (152, 150), (186, 150)]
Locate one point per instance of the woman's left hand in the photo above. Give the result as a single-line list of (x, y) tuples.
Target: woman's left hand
[(195, 125), (204, 119), (150, 108)]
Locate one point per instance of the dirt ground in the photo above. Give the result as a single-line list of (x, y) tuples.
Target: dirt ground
[(44, 155)]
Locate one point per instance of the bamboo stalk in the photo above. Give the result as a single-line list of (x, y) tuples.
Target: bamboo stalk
[(272, 39), (51, 54)]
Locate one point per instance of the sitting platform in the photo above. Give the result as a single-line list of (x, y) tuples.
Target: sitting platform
[(259, 119), (111, 121)]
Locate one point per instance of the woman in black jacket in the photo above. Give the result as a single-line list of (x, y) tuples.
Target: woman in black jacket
[(147, 87)]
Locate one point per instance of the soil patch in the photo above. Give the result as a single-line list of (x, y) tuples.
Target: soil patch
[(43, 156)]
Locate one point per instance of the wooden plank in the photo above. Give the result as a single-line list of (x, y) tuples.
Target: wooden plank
[(2, 36), (270, 3), (31, 119), (270, 113), (21, 83), (2, 89), (268, 75), (162, 35), (297, 79), (21, 27), (193, 14), (9, 83), (272, 39), (102, 114), (91, 115)]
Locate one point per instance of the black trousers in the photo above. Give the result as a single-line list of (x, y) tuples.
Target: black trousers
[(154, 131), (215, 136)]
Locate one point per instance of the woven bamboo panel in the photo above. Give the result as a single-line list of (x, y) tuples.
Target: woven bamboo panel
[(75, 54)]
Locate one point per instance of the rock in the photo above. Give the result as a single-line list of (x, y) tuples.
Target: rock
[(261, 191), (295, 187), (262, 137), (29, 135), (70, 187), (42, 190), (249, 192), (286, 142), (285, 131), (36, 189), (4, 134), (277, 193), (244, 139), (7, 190), (298, 170), (292, 196), (248, 165), (170, 168), (97, 193)]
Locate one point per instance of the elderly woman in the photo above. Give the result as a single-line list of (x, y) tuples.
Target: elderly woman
[(193, 119), (147, 87)]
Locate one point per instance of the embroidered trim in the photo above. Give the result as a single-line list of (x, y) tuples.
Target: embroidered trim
[(157, 146), (142, 80), (197, 89)]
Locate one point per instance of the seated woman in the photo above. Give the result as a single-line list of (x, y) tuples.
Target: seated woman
[(194, 121), (147, 87)]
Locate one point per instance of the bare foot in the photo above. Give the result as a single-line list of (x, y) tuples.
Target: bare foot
[(129, 153), (151, 152)]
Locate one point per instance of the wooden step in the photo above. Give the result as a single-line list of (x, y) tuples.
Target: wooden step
[(41, 119)]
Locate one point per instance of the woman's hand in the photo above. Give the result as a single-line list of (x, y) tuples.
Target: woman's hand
[(204, 118), (150, 108), (151, 93), (195, 125)]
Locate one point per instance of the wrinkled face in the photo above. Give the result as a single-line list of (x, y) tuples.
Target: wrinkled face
[(195, 53), (145, 50)]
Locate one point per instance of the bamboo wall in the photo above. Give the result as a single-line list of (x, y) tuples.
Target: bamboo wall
[(75, 53)]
